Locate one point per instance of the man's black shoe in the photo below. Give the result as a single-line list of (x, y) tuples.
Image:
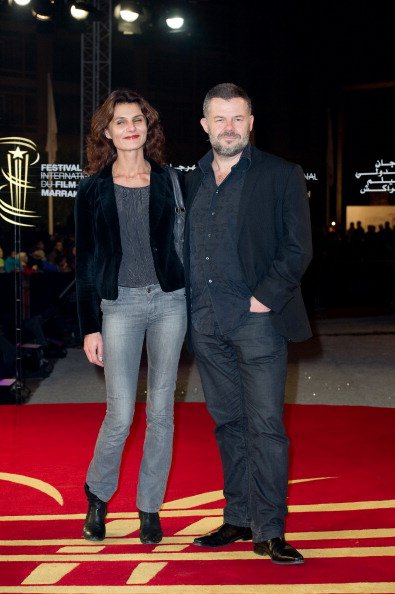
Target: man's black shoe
[(94, 527), (150, 529), (226, 534), (279, 551)]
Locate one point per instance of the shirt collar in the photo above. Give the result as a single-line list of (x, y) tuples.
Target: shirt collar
[(242, 164)]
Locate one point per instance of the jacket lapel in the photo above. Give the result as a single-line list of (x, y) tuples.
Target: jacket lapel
[(248, 193), (158, 193), (106, 194)]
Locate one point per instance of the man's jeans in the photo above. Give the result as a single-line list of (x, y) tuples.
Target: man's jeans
[(243, 375), (161, 318)]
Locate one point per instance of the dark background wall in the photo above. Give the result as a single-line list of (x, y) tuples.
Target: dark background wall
[(294, 58)]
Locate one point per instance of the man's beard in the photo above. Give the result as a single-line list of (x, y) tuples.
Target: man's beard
[(229, 151)]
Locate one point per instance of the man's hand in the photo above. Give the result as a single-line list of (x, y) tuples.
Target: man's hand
[(93, 347), (257, 307)]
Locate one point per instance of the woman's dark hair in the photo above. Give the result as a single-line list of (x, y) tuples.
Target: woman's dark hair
[(100, 150)]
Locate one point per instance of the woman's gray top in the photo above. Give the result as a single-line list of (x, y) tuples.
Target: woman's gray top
[(137, 265)]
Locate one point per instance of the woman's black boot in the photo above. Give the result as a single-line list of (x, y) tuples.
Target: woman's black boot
[(150, 530), (94, 527)]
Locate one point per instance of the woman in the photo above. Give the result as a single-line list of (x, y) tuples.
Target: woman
[(130, 286)]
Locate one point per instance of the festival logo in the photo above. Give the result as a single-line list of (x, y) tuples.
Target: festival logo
[(19, 156)]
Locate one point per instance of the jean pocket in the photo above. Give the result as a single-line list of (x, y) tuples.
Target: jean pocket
[(179, 294), (107, 303)]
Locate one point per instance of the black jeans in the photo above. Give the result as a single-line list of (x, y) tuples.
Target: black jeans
[(243, 375)]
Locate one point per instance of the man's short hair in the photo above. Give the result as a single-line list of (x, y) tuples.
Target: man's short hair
[(225, 91)]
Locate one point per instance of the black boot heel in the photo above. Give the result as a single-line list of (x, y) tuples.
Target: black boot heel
[(94, 527), (150, 529)]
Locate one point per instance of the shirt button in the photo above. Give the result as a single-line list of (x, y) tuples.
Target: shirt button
[(207, 258), (213, 213), (209, 280)]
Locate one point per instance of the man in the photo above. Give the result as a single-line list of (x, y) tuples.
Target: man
[(248, 243)]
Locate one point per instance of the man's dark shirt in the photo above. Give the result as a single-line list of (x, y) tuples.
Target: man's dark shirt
[(220, 296)]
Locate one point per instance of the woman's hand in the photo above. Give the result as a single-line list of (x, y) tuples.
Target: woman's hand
[(258, 307), (93, 347)]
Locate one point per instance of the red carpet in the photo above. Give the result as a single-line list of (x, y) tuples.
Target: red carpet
[(341, 504)]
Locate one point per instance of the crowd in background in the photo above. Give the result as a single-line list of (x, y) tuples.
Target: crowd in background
[(350, 266), (357, 242), (353, 267), (45, 315), (54, 255)]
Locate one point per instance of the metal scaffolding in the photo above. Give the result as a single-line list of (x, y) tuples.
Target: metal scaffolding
[(96, 44)]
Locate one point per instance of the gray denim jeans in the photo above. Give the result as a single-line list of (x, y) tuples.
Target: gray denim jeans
[(138, 313)]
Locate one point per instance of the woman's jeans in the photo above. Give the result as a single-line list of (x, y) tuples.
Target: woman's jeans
[(138, 313)]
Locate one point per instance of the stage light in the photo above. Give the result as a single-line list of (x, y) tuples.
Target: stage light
[(78, 13), (81, 10), (175, 22), (132, 16), (42, 10), (40, 16), (127, 11), (132, 25), (175, 19)]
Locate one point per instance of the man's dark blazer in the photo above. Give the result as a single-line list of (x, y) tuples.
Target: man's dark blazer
[(98, 241), (274, 238)]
